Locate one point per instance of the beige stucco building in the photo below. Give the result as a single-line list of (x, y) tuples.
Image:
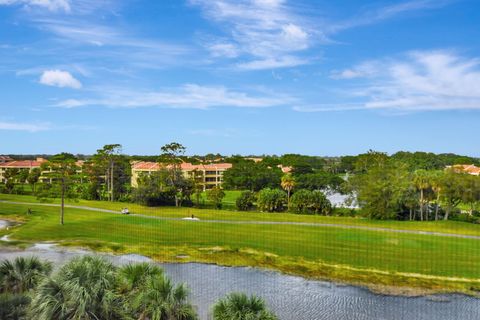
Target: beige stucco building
[(27, 164), (211, 174), (19, 164)]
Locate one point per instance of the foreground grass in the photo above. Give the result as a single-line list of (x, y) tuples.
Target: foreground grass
[(388, 260), (452, 227)]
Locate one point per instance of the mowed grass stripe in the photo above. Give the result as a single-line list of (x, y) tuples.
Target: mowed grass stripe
[(407, 253), (451, 227)]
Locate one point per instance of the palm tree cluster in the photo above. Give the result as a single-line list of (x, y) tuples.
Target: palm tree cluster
[(239, 306), (92, 288)]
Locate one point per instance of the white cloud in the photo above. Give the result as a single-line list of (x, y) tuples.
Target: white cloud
[(189, 96), (19, 126), (272, 63), (386, 12), (226, 50), (262, 30), (58, 78), (52, 5), (328, 107), (421, 81), (365, 69)]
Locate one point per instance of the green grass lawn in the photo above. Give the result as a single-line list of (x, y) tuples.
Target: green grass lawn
[(230, 196), (229, 202), (355, 256), (211, 214)]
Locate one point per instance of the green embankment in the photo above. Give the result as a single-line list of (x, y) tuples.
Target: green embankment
[(374, 258)]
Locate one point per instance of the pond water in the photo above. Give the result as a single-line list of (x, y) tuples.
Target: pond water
[(4, 224), (292, 298)]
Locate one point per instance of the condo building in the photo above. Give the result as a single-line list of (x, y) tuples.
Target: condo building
[(211, 174)]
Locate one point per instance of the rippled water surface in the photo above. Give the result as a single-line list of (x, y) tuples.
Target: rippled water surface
[(292, 298)]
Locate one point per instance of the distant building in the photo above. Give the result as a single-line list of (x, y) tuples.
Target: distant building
[(211, 174), (466, 168), (285, 169), (24, 164), (19, 164), (4, 159), (254, 159)]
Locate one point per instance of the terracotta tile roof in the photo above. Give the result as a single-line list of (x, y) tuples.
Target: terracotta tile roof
[(30, 163), (153, 166), (5, 158), (21, 164)]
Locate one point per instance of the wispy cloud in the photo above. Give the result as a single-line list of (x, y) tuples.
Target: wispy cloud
[(271, 34), (272, 63), (59, 78), (52, 5), (364, 70), (21, 126), (420, 81), (308, 108), (92, 35), (373, 16), (267, 32), (189, 96)]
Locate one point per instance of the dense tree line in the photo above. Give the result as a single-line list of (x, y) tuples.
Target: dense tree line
[(90, 287), (405, 185), (412, 160), (388, 188), (255, 176)]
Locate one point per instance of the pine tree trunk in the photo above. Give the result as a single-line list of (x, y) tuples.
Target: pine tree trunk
[(62, 207), (437, 207), (111, 181), (447, 213), (421, 204), (427, 212)]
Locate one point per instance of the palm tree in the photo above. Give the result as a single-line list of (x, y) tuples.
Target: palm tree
[(159, 299), (13, 306), (133, 276), (288, 183), (84, 288), (422, 182), (238, 306), (22, 274)]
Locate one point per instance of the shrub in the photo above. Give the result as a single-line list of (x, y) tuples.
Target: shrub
[(300, 200), (216, 195), (271, 200), (239, 306), (305, 201), (245, 201), (150, 197)]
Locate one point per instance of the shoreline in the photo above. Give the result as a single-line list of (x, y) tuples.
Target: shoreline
[(8, 245)]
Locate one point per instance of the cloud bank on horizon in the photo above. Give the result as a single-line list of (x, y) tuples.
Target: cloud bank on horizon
[(278, 57)]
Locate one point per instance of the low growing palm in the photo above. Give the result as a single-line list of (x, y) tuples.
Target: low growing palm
[(159, 299), (134, 276), (13, 306), (239, 306), (84, 288), (22, 274)]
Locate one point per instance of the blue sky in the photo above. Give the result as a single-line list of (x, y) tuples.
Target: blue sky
[(240, 76)]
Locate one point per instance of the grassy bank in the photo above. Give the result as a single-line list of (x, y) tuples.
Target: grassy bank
[(388, 260)]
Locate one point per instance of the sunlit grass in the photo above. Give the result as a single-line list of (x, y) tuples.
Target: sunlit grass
[(345, 254)]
